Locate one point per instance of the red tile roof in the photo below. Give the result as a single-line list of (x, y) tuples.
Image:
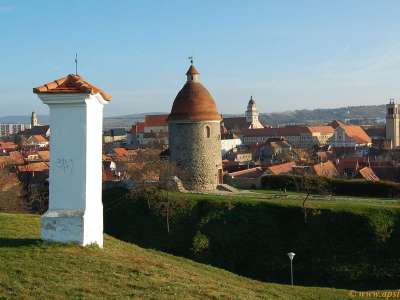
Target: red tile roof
[(278, 131), (323, 129), (106, 157), (8, 145), (326, 169), (138, 128), (16, 157), (156, 120), (368, 174), (281, 168), (34, 167), (236, 123), (248, 173), (355, 163), (70, 84), (39, 138), (324, 155), (108, 175), (355, 132), (4, 160), (120, 152), (44, 155)]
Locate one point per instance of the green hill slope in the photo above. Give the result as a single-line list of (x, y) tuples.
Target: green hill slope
[(32, 269)]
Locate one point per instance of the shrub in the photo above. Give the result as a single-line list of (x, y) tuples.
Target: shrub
[(320, 185), (200, 244)]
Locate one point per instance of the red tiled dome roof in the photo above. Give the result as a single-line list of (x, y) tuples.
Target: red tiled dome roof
[(194, 102)]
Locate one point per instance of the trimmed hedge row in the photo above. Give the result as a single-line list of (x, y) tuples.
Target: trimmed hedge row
[(323, 185), (343, 249)]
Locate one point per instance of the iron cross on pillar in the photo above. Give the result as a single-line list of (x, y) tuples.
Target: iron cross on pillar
[(76, 63)]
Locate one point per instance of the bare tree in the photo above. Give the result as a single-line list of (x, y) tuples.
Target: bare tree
[(309, 185), (4, 175), (145, 167), (301, 154), (38, 199)]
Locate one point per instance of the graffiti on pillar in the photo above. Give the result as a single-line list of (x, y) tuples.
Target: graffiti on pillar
[(65, 164)]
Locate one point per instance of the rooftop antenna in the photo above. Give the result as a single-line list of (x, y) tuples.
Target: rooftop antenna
[(76, 63), (191, 59)]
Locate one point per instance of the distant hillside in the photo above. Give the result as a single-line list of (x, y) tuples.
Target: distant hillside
[(278, 118), (25, 119), (126, 121), (325, 115)]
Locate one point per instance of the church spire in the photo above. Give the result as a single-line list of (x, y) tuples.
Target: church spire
[(34, 120), (252, 114)]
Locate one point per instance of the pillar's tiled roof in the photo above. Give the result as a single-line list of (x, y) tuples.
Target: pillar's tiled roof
[(70, 84)]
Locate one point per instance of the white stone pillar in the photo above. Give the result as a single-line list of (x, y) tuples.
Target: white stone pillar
[(75, 213)]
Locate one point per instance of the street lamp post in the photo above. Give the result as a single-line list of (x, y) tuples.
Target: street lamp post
[(291, 256)]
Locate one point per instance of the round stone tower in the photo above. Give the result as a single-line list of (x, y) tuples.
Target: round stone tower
[(194, 135)]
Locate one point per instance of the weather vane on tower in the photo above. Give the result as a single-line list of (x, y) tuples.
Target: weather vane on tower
[(191, 59)]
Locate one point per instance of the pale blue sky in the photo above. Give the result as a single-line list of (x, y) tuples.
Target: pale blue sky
[(288, 54)]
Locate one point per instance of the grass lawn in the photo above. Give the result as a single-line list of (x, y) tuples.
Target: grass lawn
[(30, 268)]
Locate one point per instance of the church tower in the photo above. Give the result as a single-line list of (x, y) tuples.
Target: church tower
[(195, 136), (34, 120), (392, 125), (252, 115)]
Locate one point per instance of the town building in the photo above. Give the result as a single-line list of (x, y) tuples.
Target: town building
[(298, 136), (241, 154), (153, 130), (12, 129), (275, 149), (252, 115), (249, 121), (228, 143), (43, 130), (195, 135), (325, 169), (114, 135), (280, 169), (349, 136), (36, 141), (34, 120), (6, 147), (392, 125), (377, 133), (368, 174), (245, 179)]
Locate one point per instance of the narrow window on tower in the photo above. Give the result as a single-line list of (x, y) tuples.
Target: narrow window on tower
[(208, 131)]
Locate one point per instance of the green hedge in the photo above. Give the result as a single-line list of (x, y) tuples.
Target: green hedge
[(322, 185), (343, 249)]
